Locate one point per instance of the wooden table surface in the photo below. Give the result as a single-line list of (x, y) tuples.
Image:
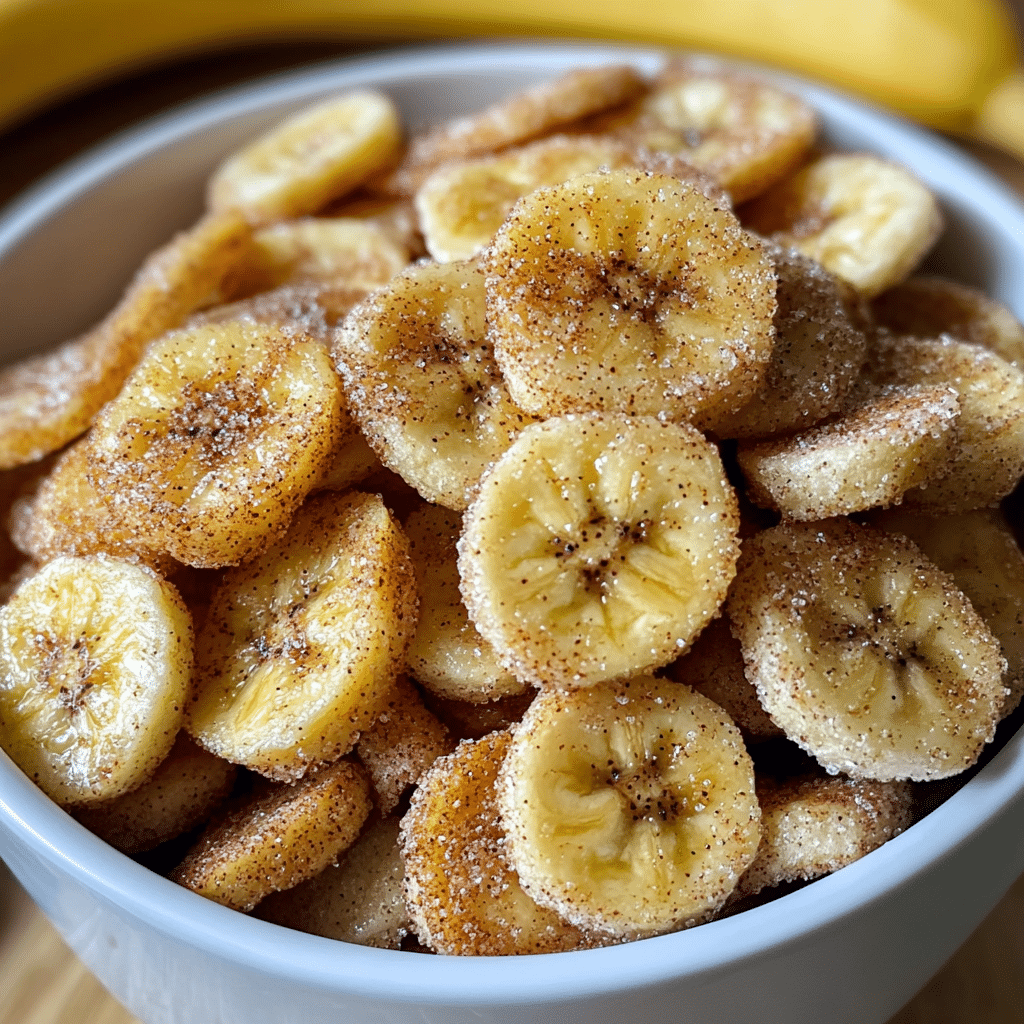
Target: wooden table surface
[(41, 981)]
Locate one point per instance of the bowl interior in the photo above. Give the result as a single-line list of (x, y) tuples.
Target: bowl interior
[(68, 247)]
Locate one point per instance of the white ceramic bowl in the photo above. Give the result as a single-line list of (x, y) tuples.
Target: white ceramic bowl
[(849, 949)]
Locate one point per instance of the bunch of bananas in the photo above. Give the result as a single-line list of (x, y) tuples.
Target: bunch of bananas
[(952, 65)]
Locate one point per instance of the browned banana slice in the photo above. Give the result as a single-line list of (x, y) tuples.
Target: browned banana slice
[(317, 155), (629, 292), (48, 400), (471, 720), (864, 652), (517, 119), (978, 549), (630, 808), (990, 461), (278, 840), (818, 353), (462, 205), (814, 825), (216, 438), (865, 219), (930, 306), (745, 133), (303, 644), (95, 662), (886, 444), (448, 655), (598, 547), (714, 667), (184, 792), (422, 382), (463, 895), (359, 899), (66, 516), (404, 741)]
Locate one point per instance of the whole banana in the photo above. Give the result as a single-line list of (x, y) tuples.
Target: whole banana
[(940, 61)]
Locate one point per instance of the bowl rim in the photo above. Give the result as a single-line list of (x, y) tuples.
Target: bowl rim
[(58, 840)]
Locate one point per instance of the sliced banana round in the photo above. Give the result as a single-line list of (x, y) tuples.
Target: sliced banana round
[(448, 655), (930, 306), (279, 839), (812, 825), (979, 550), (359, 899), (462, 893), (216, 438), (183, 793), (65, 515), (462, 205), (745, 133), (404, 741), (346, 251), (633, 292), (714, 667), (48, 400), (95, 662), (317, 155), (302, 645), (887, 443), (526, 115), (598, 547), (868, 221), (990, 460), (630, 808), (818, 353), (864, 652), (422, 382)]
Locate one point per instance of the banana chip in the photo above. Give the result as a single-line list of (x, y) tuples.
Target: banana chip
[(519, 118), (598, 547), (216, 439), (448, 655), (302, 646), (814, 825), (319, 155), (278, 840), (462, 893), (864, 652), (867, 220), (359, 899), (623, 291), (422, 382), (95, 663), (630, 809), (743, 132), (930, 306)]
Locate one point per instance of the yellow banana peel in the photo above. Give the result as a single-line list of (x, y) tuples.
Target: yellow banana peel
[(951, 64)]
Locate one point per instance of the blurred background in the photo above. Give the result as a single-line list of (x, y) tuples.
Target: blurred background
[(76, 71)]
